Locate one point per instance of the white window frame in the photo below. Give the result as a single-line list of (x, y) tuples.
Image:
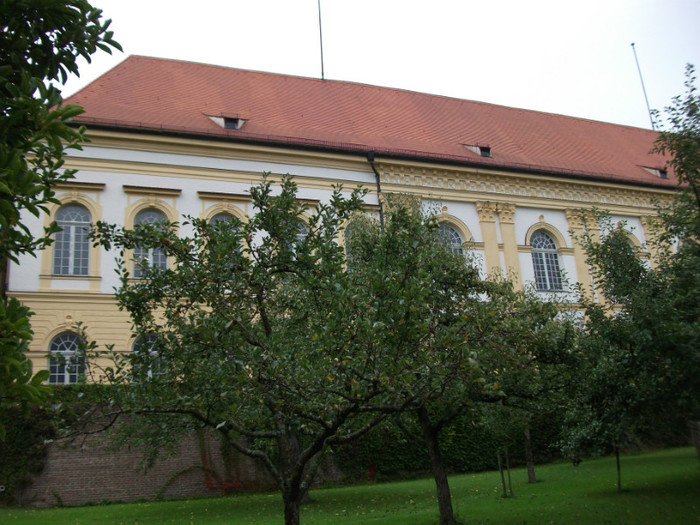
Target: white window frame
[(71, 246), (545, 262), (151, 256), (66, 366)]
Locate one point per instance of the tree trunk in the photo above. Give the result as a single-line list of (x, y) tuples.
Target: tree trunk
[(617, 461), (510, 485), (529, 459), (441, 485), (291, 509), (500, 470), (695, 435), (290, 471)]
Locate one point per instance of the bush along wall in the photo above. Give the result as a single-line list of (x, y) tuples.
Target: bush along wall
[(28, 435), (387, 452), (23, 451)]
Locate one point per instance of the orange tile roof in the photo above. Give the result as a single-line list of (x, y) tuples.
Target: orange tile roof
[(171, 96)]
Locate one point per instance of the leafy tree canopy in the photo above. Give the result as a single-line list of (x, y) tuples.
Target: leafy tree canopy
[(642, 344), (40, 43), (264, 335)]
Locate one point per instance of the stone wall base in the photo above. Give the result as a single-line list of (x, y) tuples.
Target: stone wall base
[(91, 473)]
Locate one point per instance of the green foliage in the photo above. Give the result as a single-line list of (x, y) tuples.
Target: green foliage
[(385, 452), (428, 300), (23, 448), (18, 387), (640, 357), (259, 334), (41, 42), (478, 340), (286, 346), (467, 444), (390, 453), (681, 137)]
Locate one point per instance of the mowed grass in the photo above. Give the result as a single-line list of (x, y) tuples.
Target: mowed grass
[(660, 488)]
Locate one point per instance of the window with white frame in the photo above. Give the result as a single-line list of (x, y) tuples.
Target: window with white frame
[(144, 257), (71, 247), (545, 260), (66, 364), (451, 237)]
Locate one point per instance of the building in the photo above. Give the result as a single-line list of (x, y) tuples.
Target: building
[(172, 138)]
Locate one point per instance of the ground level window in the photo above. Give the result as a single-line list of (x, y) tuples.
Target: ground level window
[(66, 362)]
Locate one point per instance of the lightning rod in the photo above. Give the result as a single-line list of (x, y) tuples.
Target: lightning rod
[(651, 118)]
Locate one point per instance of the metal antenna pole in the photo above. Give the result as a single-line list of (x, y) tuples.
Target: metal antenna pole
[(653, 126), (320, 34)]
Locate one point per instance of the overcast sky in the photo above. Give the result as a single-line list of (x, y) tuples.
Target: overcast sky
[(559, 56)]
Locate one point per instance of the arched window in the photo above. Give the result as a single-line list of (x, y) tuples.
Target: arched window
[(147, 363), (149, 256), (66, 365), (221, 219), (545, 260), (451, 237), (225, 222), (71, 247)]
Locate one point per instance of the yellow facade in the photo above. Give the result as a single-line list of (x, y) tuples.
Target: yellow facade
[(495, 212)]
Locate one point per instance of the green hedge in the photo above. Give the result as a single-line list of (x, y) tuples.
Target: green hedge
[(388, 453)]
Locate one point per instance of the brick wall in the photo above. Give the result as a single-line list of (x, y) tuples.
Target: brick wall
[(90, 473)]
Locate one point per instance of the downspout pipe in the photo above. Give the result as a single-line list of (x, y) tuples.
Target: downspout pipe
[(370, 159)]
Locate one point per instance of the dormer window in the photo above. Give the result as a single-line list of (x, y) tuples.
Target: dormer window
[(659, 172), (481, 150), (228, 122)]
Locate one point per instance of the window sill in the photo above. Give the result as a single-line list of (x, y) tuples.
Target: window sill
[(71, 277), (85, 283)]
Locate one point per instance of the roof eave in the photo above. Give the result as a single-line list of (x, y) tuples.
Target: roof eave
[(364, 150)]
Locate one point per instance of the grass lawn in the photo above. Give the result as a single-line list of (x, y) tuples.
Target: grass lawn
[(661, 488)]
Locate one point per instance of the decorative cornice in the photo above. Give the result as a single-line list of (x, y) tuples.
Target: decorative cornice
[(220, 196), (478, 183), (151, 142), (80, 186), (144, 190)]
